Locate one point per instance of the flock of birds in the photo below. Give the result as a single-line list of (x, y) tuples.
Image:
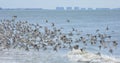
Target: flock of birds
[(24, 35)]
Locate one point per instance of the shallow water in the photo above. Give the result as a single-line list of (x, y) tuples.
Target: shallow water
[(86, 21)]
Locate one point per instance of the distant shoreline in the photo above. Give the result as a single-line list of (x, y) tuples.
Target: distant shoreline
[(81, 9)]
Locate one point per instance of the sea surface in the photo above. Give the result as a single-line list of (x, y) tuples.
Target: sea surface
[(85, 21)]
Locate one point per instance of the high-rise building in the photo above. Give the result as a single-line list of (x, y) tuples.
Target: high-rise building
[(68, 8), (59, 8), (102, 8), (90, 9), (76, 8), (83, 9)]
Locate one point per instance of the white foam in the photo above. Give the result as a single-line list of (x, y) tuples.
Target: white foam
[(74, 56), (78, 56)]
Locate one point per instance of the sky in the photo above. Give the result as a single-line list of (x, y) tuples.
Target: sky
[(52, 4)]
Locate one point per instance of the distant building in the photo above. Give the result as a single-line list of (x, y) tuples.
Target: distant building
[(90, 9), (76, 8), (102, 8), (69, 8), (32, 8), (83, 9), (116, 9), (59, 8)]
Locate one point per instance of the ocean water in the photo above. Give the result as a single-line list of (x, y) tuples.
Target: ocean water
[(85, 21)]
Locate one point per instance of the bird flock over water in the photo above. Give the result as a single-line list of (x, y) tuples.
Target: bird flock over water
[(24, 35)]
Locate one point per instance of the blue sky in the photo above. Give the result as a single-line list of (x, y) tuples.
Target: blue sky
[(51, 4)]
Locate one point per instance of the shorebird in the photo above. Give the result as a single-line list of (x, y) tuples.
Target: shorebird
[(100, 47), (68, 21), (46, 21), (53, 24), (55, 48), (102, 42), (73, 29), (88, 35), (70, 34), (107, 28), (36, 47), (97, 30), (26, 48), (115, 43), (83, 49), (14, 17), (109, 37), (111, 50), (76, 47)]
